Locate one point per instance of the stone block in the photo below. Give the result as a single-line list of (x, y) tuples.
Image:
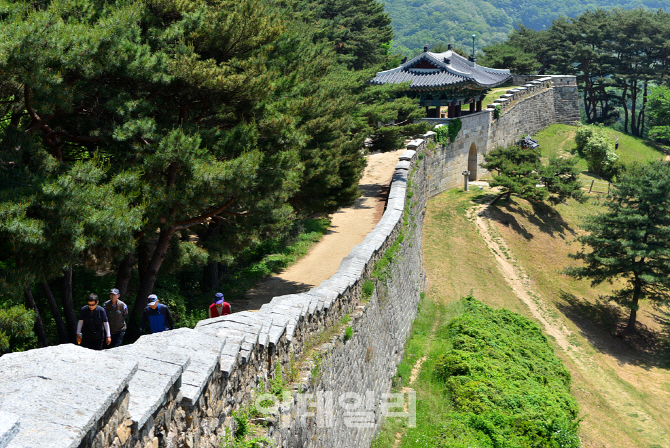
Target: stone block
[(60, 393), (9, 427)]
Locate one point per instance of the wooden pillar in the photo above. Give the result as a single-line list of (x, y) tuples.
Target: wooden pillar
[(472, 107), (452, 110), (479, 106), (458, 110)]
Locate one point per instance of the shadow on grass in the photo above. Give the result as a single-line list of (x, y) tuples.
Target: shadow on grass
[(544, 217), (602, 324)]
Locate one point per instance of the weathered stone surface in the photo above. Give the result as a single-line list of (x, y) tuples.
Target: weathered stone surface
[(203, 349), (61, 392), (9, 427), (157, 372)]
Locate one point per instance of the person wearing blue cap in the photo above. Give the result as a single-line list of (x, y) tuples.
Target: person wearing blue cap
[(219, 307), (157, 316), (116, 313)]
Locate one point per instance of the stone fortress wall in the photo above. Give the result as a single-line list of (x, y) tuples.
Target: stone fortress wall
[(538, 102), (179, 388)]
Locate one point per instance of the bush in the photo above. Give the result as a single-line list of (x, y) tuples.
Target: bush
[(584, 133), (594, 145), (348, 333), (507, 385), (368, 288), (600, 155)]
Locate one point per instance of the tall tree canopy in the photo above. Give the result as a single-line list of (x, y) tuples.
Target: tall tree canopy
[(132, 129), (617, 56)]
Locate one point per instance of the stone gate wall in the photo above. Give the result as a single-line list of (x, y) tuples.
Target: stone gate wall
[(180, 388)]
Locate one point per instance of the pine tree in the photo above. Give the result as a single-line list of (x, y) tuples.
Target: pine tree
[(516, 171), (630, 241)]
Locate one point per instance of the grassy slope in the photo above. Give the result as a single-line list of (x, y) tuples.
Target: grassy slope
[(558, 139)]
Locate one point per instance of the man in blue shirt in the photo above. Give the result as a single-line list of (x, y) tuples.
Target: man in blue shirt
[(157, 316)]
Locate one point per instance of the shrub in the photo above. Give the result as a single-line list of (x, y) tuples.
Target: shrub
[(506, 383), (348, 333), (497, 111), (368, 289), (584, 133), (600, 155)]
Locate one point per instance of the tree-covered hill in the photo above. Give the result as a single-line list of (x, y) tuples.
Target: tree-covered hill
[(420, 22)]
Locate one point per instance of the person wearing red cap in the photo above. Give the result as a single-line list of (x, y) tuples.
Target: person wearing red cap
[(219, 307)]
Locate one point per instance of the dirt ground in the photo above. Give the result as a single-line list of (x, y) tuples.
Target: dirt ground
[(348, 228)]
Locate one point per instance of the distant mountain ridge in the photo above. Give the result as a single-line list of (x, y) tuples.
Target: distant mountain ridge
[(420, 22)]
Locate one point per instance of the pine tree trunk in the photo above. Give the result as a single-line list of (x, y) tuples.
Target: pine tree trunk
[(624, 103), (634, 130), (211, 275), (68, 304), (630, 328), (55, 312), (148, 277), (39, 327), (124, 273)]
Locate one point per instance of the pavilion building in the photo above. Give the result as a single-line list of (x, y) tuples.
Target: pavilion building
[(445, 83)]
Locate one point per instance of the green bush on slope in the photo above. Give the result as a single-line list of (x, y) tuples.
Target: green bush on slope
[(507, 386)]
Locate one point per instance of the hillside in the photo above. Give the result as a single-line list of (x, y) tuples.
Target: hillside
[(417, 23)]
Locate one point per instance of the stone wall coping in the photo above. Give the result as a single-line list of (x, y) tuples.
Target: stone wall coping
[(9, 427), (403, 165), (157, 372), (61, 392), (408, 154)]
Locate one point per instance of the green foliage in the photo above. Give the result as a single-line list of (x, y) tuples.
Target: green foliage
[(16, 328), (516, 171), (507, 386), (277, 384), (442, 135), (561, 179), (348, 333), (519, 171), (658, 106), (595, 146), (447, 134), (239, 438), (382, 269), (416, 24), (630, 241), (497, 111), (617, 56), (345, 319), (367, 289), (582, 136), (181, 131)]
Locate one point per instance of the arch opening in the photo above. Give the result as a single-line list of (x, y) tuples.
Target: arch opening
[(472, 162)]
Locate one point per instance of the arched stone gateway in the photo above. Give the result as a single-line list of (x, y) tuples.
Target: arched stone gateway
[(472, 162)]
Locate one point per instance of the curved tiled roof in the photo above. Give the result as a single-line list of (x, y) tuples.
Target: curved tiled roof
[(457, 70)]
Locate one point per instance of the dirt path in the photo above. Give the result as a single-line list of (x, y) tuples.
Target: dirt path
[(607, 383), (348, 228)]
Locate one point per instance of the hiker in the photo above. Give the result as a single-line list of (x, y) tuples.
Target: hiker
[(219, 307), (157, 316), (116, 313), (93, 325)]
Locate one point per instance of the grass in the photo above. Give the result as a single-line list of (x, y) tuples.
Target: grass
[(558, 139), (494, 95)]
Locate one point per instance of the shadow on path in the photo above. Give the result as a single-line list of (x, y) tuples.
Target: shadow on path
[(265, 290), (602, 323)]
